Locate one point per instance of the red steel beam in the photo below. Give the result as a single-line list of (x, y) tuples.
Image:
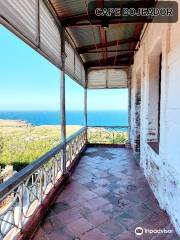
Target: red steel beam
[(110, 61), (83, 21), (73, 19), (103, 41), (87, 48), (96, 64), (136, 34), (100, 4), (112, 51)]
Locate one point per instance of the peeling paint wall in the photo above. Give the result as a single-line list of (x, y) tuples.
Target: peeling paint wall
[(135, 119), (161, 170)]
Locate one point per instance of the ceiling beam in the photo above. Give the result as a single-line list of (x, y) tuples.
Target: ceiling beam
[(136, 34), (103, 42), (83, 21), (74, 19), (108, 64), (100, 4), (125, 55), (87, 48), (111, 51), (110, 61)]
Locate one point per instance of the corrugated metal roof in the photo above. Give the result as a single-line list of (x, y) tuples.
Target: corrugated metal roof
[(92, 57), (68, 7), (50, 41), (89, 35), (120, 31), (88, 38), (35, 25), (22, 15)]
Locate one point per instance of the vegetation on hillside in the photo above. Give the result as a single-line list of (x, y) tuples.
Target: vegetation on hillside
[(107, 135), (22, 143)]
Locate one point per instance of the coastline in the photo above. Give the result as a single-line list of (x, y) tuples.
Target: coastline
[(13, 123), (95, 118)]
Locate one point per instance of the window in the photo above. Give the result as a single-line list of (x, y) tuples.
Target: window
[(159, 96), (154, 104)]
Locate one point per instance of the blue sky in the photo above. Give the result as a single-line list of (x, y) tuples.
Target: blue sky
[(29, 82)]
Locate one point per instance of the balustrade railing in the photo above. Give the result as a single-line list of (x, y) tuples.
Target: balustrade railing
[(108, 134), (28, 188)]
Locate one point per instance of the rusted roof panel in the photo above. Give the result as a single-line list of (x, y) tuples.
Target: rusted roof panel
[(92, 57), (94, 38), (86, 36), (120, 31), (68, 8)]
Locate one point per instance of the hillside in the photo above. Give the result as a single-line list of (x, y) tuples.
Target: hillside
[(21, 143)]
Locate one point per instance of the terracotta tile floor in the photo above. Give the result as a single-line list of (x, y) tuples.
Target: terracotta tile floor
[(107, 198)]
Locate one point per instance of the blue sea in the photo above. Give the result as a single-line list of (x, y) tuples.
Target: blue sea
[(95, 118)]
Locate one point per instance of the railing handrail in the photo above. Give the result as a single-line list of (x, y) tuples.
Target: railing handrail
[(15, 180), (70, 138)]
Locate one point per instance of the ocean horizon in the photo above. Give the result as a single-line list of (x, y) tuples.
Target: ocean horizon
[(48, 117)]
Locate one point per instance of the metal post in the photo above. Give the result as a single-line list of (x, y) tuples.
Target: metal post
[(85, 106), (85, 110), (62, 99)]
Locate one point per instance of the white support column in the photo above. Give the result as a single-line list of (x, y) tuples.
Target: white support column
[(62, 100), (85, 111), (85, 105)]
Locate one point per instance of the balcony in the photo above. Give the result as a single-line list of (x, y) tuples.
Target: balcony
[(102, 195), (107, 196)]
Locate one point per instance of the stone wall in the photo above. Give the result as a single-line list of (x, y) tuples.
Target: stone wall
[(162, 169)]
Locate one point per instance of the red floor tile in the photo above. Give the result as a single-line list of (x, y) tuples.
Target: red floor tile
[(96, 203), (97, 218), (69, 216), (111, 228), (80, 226), (94, 234), (88, 195), (101, 191), (126, 236), (40, 235), (107, 198)]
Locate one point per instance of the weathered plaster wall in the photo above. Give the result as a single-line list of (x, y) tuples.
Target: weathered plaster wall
[(136, 108), (161, 170)]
